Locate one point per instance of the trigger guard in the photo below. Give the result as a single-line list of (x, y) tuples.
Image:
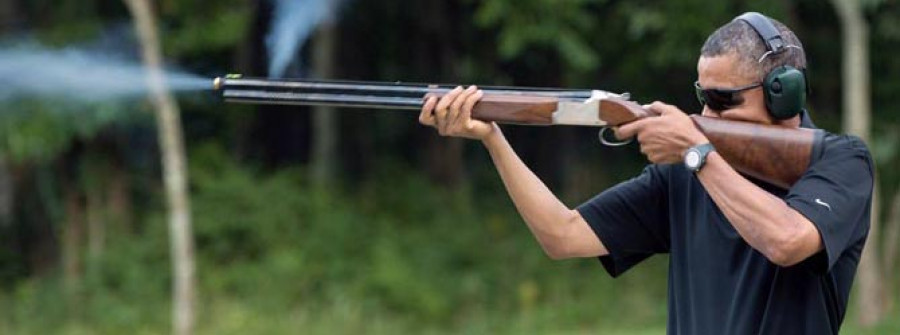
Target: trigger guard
[(608, 143)]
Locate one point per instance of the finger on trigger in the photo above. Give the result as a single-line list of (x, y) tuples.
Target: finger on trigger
[(627, 130)]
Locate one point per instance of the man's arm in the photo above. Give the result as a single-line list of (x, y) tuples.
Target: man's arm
[(764, 221), (561, 231)]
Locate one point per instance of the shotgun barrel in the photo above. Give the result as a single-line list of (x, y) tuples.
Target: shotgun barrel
[(385, 95)]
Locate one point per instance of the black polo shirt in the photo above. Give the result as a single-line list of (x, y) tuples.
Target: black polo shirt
[(718, 284)]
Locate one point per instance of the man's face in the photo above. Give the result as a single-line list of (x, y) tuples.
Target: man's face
[(720, 72)]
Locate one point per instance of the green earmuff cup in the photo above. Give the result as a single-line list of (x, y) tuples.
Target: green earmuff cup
[(785, 92)]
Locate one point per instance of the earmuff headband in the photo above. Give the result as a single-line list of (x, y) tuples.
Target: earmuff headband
[(766, 30)]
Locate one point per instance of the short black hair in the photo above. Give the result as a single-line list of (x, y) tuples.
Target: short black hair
[(738, 37)]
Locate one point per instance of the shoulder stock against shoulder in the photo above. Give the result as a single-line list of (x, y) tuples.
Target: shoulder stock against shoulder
[(774, 154)]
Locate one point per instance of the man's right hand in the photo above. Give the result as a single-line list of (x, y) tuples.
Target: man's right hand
[(451, 114)]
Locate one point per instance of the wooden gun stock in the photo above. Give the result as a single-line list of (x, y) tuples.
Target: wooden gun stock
[(530, 110), (527, 110), (774, 154)]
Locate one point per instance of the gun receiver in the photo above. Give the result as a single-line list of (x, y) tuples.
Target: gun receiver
[(774, 154)]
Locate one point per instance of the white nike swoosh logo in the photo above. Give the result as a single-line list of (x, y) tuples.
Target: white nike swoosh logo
[(820, 202)]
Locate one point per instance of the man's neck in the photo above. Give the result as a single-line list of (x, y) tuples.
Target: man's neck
[(793, 122)]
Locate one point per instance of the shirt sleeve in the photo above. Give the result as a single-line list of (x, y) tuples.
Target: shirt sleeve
[(835, 194), (631, 219)]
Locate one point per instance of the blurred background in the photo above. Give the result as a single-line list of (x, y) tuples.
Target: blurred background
[(354, 221)]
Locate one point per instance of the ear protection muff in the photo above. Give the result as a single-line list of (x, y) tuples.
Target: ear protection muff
[(785, 87), (785, 92)]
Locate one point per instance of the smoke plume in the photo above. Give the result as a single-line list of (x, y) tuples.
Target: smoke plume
[(32, 71), (292, 23)]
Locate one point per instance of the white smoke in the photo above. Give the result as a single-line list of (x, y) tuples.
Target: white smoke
[(292, 23), (33, 71)]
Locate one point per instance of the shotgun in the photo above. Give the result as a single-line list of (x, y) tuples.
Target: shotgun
[(774, 154)]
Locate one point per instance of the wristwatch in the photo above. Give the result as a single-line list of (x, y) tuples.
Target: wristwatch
[(695, 157)]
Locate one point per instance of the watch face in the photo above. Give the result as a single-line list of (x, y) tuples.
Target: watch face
[(692, 159)]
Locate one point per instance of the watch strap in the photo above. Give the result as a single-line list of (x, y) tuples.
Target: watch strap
[(704, 150)]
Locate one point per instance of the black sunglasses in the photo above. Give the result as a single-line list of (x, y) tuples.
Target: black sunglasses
[(720, 99)]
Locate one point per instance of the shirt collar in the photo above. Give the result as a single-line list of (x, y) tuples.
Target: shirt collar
[(805, 120)]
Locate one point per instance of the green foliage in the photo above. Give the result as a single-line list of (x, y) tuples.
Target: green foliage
[(62, 23), (197, 28), (674, 31), (39, 131), (275, 255), (559, 25)]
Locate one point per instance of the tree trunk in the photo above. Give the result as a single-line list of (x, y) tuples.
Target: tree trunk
[(9, 21), (7, 193), (10, 16), (171, 144), (444, 154), (857, 115), (249, 57), (118, 199), (891, 236), (72, 227), (96, 221), (72, 242), (871, 302), (325, 126)]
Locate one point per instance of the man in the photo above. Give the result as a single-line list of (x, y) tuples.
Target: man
[(746, 257)]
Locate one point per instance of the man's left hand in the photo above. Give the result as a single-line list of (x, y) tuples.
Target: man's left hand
[(665, 138)]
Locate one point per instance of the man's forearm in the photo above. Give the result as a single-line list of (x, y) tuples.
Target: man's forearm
[(561, 231), (766, 222)]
